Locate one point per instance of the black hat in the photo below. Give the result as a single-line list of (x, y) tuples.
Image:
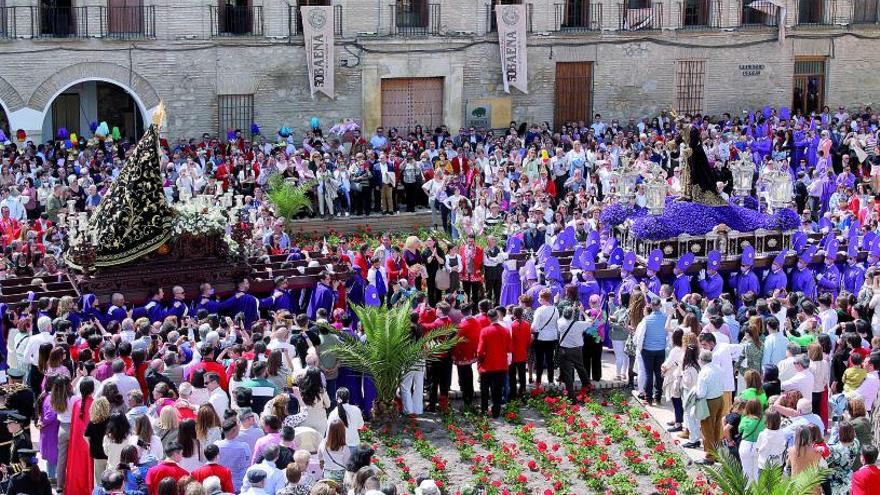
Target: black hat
[(13, 417), (15, 373), (256, 476)]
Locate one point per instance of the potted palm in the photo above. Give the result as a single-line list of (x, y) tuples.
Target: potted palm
[(389, 352), (729, 476)]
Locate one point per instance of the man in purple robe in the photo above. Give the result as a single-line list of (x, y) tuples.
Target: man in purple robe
[(242, 303), (682, 284), (853, 274), (776, 278), (802, 278), (829, 279), (323, 297), (746, 281), (629, 281), (711, 283), (652, 281)]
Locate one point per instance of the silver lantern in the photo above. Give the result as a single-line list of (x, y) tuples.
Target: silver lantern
[(656, 190), (779, 188), (743, 174), (629, 176)]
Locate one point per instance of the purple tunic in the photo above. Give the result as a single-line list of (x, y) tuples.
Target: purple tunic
[(49, 432), (511, 287)]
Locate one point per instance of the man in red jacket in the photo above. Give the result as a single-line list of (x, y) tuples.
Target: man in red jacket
[(492, 355), (464, 355), (169, 468), (211, 468), (866, 479), (439, 370), (472, 271), (209, 365)]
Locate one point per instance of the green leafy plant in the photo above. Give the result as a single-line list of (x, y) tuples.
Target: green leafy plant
[(390, 352), (289, 199), (729, 476)]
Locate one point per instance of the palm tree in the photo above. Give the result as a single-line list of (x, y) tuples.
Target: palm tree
[(732, 481), (289, 199), (389, 352)]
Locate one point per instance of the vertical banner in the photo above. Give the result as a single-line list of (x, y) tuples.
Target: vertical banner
[(511, 21), (318, 34)]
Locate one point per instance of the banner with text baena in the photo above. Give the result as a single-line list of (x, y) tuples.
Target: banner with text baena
[(318, 34), (511, 20)]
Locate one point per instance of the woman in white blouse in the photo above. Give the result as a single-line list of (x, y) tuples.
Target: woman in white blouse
[(350, 416)]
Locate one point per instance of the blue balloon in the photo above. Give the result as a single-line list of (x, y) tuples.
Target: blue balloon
[(68, 144), (315, 123)]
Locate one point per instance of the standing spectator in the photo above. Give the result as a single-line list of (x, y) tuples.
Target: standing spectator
[(492, 357)]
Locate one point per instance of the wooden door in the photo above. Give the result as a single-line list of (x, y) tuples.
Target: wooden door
[(65, 113), (408, 102), (574, 92), (125, 17), (808, 93)]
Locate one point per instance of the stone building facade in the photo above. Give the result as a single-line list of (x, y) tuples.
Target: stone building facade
[(398, 61)]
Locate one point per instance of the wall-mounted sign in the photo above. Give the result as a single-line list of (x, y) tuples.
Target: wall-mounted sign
[(750, 70)]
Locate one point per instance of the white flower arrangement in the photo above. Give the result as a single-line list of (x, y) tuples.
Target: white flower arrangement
[(197, 219)]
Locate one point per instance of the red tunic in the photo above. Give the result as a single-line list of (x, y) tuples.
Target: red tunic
[(495, 344)]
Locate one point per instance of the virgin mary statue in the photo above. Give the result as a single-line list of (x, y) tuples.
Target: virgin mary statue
[(697, 176)]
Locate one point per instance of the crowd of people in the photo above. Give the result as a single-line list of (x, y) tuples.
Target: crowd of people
[(197, 394)]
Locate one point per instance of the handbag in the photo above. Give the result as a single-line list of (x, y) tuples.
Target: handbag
[(629, 347), (559, 343), (442, 280)]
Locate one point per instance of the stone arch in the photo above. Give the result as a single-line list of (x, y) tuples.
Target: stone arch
[(10, 100), (136, 85)]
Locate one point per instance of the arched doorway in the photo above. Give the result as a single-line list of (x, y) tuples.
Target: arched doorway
[(82, 103)]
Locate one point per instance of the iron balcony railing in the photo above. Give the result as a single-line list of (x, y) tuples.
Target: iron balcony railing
[(699, 14), (765, 16), (128, 22), (7, 23), (295, 22), (579, 15), (815, 13), (415, 18), (492, 22), (865, 12), (233, 20), (62, 22), (648, 18)]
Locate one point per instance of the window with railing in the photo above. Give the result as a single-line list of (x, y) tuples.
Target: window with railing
[(235, 113), (700, 14), (815, 12), (295, 18), (415, 17), (492, 21), (579, 15), (62, 20), (758, 13), (640, 15), (128, 20), (690, 77), (865, 11), (236, 19), (7, 21)]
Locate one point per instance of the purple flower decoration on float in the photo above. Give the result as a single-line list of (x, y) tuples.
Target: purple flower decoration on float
[(696, 219)]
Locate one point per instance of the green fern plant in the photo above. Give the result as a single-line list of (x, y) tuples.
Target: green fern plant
[(289, 199), (729, 476)]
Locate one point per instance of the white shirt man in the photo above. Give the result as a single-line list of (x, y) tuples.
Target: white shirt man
[(709, 381), (870, 385), (802, 380), (123, 382), (32, 351), (218, 398)]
